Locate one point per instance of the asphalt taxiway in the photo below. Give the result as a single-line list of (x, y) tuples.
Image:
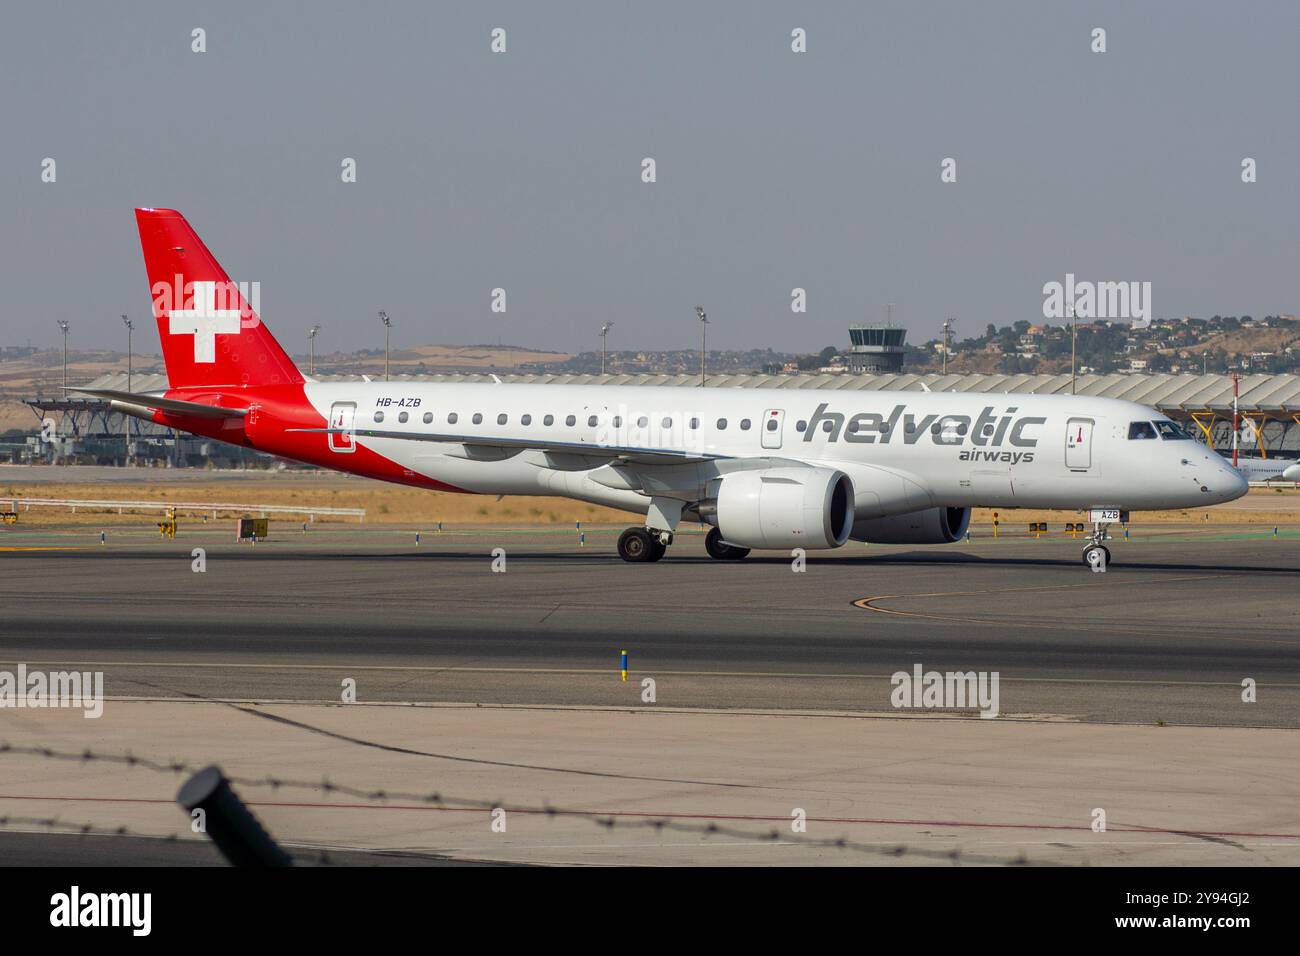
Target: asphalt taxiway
[(1168, 634)]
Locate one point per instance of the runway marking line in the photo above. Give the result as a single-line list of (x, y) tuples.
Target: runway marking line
[(37, 548), (601, 672), (679, 815)]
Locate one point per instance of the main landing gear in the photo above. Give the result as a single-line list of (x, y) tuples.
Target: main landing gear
[(642, 544), (1096, 555), (719, 549), (651, 542)]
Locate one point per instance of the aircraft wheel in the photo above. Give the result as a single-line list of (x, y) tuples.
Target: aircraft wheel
[(636, 544), (657, 548), (719, 549), (1101, 548)]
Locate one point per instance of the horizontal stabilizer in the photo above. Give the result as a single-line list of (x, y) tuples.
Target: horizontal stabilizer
[(173, 405)]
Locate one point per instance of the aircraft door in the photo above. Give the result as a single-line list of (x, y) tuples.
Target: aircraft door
[(1078, 444), (342, 415), (773, 425)]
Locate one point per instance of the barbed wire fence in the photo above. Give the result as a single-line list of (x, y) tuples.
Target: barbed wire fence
[(606, 820)]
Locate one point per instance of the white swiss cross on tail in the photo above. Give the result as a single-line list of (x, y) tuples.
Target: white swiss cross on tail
[(205, 322)]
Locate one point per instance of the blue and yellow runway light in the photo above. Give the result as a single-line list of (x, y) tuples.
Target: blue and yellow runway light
[(623, 666)]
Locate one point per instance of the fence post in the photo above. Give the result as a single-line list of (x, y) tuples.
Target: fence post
[(230, 824)]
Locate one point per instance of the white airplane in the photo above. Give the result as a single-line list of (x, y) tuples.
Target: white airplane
[(766, 468), (1266, 469)]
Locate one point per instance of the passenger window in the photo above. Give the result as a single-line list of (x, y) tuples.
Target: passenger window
[(1138, 430), (571, 420), (800, 425), (668, 423), (695, 423), (591, 421), (722, 424), (403, 417), (502, 418), (452, 418), (525, 419), (771, 424), (618, 421), (428, 418), (548, 420), (642, 422), (744, 424), (828, 426), (478, 418), (379, 416)]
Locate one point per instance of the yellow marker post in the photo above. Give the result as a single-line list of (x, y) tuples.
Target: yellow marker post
[(623, 666)]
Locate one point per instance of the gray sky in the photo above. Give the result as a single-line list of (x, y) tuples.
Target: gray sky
[(522, 170)]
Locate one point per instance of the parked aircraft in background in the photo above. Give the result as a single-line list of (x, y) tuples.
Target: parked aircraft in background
[(1268, 469)]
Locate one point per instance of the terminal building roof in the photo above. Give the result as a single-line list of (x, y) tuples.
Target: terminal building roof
[(1273, 394)]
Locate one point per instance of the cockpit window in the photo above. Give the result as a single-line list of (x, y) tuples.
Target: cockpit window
[(1172, 432), (1140, 430)]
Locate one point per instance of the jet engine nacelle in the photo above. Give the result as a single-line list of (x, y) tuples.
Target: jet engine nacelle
[(931, 526), (809, 508)]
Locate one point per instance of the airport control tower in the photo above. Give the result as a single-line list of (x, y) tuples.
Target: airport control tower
[(876, 348)]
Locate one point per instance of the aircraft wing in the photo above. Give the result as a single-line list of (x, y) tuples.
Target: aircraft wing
[(173, 405), (629, 453)]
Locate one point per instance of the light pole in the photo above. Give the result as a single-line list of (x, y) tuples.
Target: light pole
[(704, 331), (1074, 338), (1236, 420), (126, 419), (130, 327), (388, 325), (604, 331), (63, 327), (947, 339), (311, 345)]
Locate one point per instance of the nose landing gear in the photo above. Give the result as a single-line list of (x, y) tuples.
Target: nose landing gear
[(1096, 555)]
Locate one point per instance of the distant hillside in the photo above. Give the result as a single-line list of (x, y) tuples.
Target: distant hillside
[(42, 372), (433, 358), (1249, 341)]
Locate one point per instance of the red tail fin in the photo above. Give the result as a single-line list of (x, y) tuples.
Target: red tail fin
[(210, 333)]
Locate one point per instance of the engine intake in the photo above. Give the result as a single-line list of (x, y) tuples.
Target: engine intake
[(809, 508), (931, 526)]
